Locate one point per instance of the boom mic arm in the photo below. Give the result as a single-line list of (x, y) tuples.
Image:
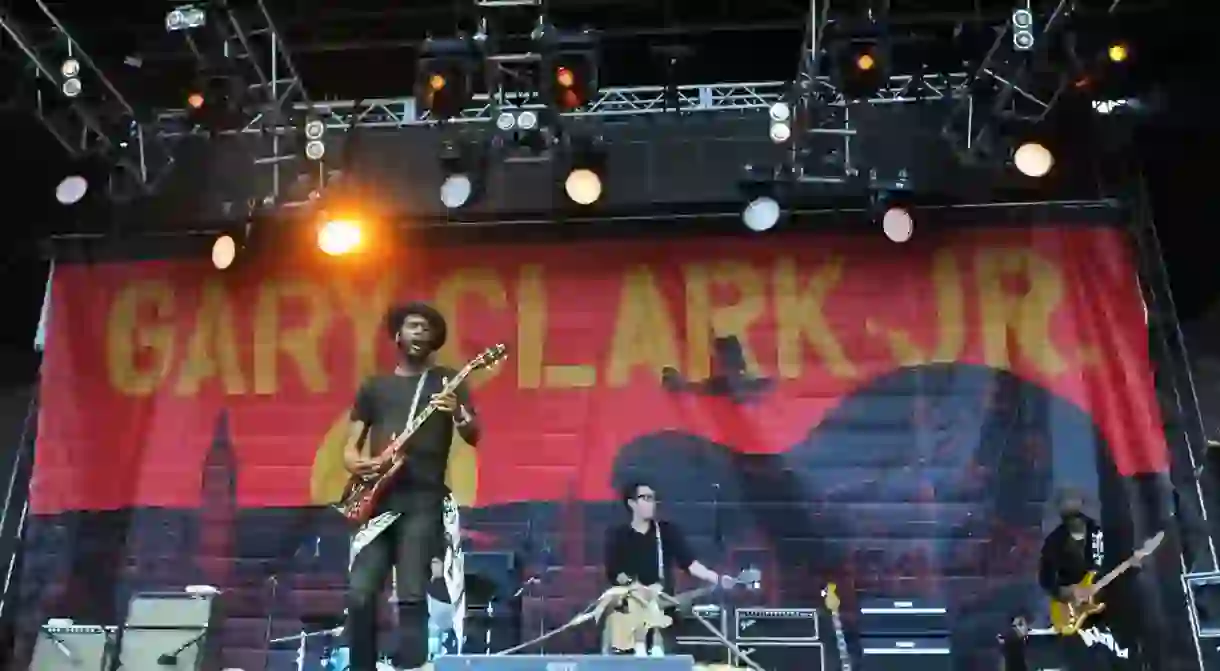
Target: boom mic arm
[(171, 658)]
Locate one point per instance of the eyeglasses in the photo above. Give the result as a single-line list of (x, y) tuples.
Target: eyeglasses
[(646, 497)]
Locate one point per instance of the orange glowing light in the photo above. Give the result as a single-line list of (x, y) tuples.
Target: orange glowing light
[(569, 100), (339, 237), (565, 78), (1117, 53), (436, 82), (195, 100), (865, 62)]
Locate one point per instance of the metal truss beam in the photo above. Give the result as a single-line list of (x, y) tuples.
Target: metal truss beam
[(98, 122)]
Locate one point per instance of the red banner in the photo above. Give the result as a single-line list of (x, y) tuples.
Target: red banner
[(144, 359)]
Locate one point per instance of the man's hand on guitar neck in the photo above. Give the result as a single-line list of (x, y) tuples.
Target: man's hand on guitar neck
[(1076, 594), (367, 466)]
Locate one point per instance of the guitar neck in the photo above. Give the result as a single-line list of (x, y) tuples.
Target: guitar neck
[(418, 420), (1112, 575), (841, 640)]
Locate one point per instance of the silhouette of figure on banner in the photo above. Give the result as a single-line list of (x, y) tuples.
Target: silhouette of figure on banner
[(730, 376)]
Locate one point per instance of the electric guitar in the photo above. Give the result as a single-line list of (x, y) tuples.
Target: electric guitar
[(831, 595), (362, 493), (642, 610), (1067, 618)]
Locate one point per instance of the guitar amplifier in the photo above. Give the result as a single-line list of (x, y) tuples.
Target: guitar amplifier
[(907, 654), (688, 628), (704, 652), (785, 656), (903, 617), (169, 629), (788, 625), (563, 663), (68, 647)]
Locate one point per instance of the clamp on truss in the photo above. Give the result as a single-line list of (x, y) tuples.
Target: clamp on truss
[(85, 112)]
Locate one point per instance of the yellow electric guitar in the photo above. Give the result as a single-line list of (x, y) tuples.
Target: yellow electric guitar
[(642, 609), (1067, 618)]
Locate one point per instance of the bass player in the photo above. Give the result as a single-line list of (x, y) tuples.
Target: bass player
[(1073, 549), (645, 551), (406, 532)]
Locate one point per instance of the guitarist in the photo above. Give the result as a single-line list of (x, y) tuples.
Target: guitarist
[(1073, 549), (412, 539), (645, 551)]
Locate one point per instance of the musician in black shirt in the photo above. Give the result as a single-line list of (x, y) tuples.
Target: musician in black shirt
[(646, 550), (1013, 644), (410, 535)]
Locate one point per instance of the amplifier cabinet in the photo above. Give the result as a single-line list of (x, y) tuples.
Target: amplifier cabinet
[(688, 628), (704, 652), (73, 648), (785, 656), (563, 663), (788, 625), (903, 617), (905, 654)]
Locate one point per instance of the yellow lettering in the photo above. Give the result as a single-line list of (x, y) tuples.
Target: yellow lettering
[(706, 320), (532, 369), (138, 354), (1018, 292), (800, 317), (212, 349), (366, 308), (643, 331), (301, 343), (480, 282), (950, 319)]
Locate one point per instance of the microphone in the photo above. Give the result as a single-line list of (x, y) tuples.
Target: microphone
[(171, 658)]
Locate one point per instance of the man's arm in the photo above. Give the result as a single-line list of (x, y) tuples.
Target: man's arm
[(1048, 570), (465, 419), (683, 558), (613, 559), (356, 457)]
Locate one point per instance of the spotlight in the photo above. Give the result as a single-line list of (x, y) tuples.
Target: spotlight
[(761, 214), (315, 129), (781, 130), (463, 169), (897, 224), (859, 66), (71, 88), (186, 17), (71, 190), (1117, 53), (1022, 22), (215, 100), (443, 76), (1033, 159), (339, 237), (573, 69), (583, 184), (194, 100), (527, 120), (70, 68), (224, 251), (315, 150)]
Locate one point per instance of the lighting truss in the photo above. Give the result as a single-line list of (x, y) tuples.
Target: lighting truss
[(102, 124)]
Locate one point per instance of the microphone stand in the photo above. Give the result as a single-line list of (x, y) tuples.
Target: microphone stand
[(171, 659), (718, 541), (274, 582)]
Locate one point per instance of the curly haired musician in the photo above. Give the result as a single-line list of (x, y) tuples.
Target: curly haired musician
[(413, 506), (646, 550)]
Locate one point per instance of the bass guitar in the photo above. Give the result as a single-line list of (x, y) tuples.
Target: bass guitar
[(1067, 618), (362, 493), (831, 596), (642, 610)]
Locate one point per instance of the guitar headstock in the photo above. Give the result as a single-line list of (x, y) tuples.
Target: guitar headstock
[(488, 358), (831, 596), (750, 577), (1151, 544)]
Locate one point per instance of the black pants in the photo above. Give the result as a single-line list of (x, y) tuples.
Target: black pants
[(407, 547)]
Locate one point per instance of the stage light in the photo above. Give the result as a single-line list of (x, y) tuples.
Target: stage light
[(780, 132), (71, 87), (70, 68), (865, 62), (1022, 21), (506, 121), (443, 76), (897, 224), (315, 150), (338, 237), (573, 69), (315, 129), (1033, 159), (859, 66), (195, 100), (456, 191), (527, 120), (187, 17), (583, 186), (224, 251), (71, 190), (1117, 53), (761, 214)]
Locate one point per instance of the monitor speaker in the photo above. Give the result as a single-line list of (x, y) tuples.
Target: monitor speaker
[(72, 648)]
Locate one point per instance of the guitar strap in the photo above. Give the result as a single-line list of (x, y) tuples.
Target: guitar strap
[(379, 523), (656, 527)]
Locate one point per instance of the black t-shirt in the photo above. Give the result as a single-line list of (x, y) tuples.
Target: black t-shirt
[(384, 404), (1066, 560), (634, 554)]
